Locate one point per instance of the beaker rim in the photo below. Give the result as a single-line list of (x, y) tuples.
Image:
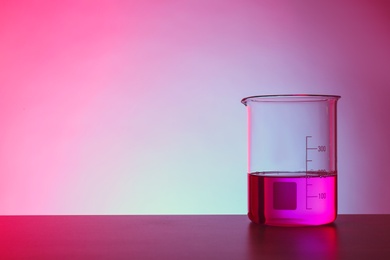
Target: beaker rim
[(289, 98)]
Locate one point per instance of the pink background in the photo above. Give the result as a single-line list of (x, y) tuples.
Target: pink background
[(133, 107)]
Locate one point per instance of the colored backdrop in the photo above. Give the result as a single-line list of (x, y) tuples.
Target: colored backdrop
[(133, 107)]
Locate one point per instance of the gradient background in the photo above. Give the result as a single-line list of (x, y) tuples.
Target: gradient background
[(133, 107)]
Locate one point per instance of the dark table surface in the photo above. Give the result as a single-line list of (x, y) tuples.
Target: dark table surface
[(190, 237)]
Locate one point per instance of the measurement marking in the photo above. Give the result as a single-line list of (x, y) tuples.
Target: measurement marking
[(307, 161), (311, 148), (312, 196)]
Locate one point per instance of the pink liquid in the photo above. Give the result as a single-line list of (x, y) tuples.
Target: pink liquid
[(292, 199)]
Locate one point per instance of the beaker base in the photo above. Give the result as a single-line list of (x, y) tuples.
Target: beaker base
[(290, 222)]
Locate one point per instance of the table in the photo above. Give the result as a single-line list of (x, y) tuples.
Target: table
[(190, 237)]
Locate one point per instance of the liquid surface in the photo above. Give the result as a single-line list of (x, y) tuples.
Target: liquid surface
[(292, 198)]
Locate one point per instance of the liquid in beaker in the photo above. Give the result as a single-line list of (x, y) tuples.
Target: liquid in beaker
[(292, 198)]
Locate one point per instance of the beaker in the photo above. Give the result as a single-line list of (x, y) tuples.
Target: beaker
[(292, 159)]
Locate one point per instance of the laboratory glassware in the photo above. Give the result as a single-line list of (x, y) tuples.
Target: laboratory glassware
[(292, 159)]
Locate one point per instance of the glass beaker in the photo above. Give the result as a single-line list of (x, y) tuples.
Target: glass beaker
[(292, 159)]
